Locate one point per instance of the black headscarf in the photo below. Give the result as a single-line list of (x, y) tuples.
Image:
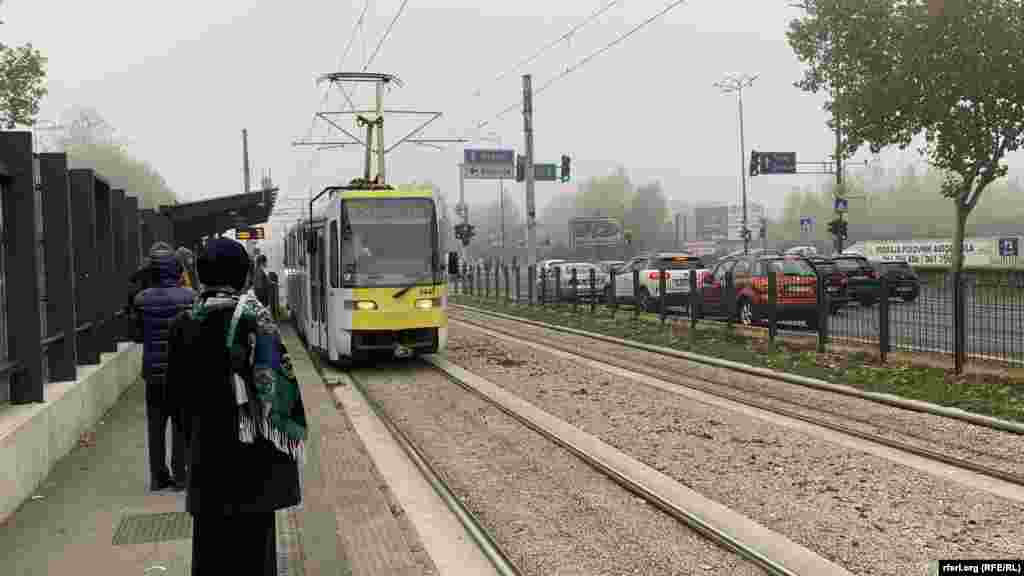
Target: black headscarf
[(224, 262)]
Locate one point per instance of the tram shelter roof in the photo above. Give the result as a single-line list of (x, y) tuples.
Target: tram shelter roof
[(194, 220)]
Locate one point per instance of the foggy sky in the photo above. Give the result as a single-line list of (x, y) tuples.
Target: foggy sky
[(179, 80)]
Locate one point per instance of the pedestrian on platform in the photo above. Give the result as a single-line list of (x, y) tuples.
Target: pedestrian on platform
[(186, 263), (246, 416), (157, 308), (260, 281)]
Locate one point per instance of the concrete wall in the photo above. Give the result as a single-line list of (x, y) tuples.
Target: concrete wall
[(33, 437)]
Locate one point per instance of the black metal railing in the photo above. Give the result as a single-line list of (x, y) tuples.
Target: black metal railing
[(963, 317)]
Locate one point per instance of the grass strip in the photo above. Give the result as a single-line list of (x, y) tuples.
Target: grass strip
[(992, 395)]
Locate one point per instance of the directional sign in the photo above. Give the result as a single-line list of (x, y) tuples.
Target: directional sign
[(488, 172), (489, 156), (777, 162), (1009, 247), (841, 204), (545, 172), (806, 223), (489, 164)]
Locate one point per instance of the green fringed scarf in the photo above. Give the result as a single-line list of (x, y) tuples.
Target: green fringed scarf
[(271, 406)]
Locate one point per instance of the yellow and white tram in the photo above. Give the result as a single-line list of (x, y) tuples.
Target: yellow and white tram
[(365, 273)]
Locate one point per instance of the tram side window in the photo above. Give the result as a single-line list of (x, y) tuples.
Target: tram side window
[(333, 254)]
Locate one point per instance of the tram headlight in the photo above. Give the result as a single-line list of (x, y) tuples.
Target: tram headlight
[(361, 305), (425, 304)]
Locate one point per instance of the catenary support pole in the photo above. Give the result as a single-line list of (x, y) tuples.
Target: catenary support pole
[(531, 223)]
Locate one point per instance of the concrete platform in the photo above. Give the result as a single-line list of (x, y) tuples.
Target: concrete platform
[(34, 437)]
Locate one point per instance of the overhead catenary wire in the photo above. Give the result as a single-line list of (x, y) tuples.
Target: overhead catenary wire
[(387, 32), (357, 26), (587, 59), (563, 38)]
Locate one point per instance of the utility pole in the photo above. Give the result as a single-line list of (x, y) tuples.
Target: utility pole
[(380, 134), (839, 177), (531, 224), (245, 160), (463, 209), (735, 85), (501, 209)]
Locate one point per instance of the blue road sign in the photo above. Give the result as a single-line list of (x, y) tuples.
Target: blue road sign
[(777, 162), (842, 204), (1009, 247), (477, 156), (806, 223)]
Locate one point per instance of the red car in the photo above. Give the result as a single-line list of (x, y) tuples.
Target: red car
[(748, 275)]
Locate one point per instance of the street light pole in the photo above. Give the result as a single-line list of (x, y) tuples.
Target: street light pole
[(730, 85)]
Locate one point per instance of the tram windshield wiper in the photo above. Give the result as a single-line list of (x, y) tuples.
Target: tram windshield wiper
[(419, 278)]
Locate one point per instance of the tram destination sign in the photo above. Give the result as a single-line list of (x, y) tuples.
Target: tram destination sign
[(388, 209), (484, 164)]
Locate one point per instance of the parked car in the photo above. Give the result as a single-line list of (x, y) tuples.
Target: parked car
[(609, 265), (748, 276), (903, 282), (802, 251), (677, 266), (583, 288), (835, 281), (862, 281)]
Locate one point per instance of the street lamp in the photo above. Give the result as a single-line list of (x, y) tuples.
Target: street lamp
[(734, 84)]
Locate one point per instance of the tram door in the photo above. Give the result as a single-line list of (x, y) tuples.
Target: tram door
[(334, 297), (321, 266), (316, 286)]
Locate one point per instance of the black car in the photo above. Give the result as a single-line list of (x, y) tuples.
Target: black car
[(903, 281), (835, 281), (862, 281)]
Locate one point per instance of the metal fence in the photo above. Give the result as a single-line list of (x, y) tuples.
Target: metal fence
[(81, 239), (962, 316)]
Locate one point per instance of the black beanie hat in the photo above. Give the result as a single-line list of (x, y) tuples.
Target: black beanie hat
[(224, 262)]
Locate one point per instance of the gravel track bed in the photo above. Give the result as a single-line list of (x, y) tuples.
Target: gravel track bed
[(865, 513), (993, 448), (549, 511)]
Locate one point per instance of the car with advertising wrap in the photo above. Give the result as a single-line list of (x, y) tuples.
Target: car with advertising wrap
[(738, 286)]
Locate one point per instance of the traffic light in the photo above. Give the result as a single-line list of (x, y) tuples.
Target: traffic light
[(755, 162), (565, 168), (520, 168), (764, 228), (842, 229), (464, 232)]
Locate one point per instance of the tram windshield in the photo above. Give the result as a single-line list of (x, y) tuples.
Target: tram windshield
[(389, 242)]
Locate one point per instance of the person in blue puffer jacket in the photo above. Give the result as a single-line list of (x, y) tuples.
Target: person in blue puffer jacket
[(158, 307)]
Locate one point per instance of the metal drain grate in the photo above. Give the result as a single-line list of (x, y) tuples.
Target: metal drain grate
[(145, 528)]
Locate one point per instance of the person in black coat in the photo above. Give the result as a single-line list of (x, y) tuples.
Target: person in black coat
[(157, 308), (242, 467)]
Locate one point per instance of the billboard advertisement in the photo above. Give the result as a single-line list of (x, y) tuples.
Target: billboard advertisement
[(593, 232), (996, 252), (711, 223)]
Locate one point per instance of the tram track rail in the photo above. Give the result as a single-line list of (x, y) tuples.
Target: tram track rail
[(772, 552), (742, 396), (498, 558)]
